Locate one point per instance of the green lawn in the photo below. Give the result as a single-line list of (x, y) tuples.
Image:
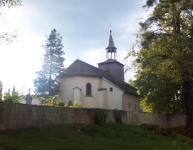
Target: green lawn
[(105, 137)]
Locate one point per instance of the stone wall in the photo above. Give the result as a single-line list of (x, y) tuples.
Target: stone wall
[(15, 116)]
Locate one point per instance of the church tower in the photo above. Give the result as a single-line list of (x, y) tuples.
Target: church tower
[(111, 65)]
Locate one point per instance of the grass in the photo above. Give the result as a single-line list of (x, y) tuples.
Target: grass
[(104, 137)]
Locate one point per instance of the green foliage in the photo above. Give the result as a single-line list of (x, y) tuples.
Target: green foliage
[(49, 100), (145, 106), (74, 104), (46, 82), (10, 3), (131, 82), (164, 61), (61, 104), (14, 96), (4, 36)]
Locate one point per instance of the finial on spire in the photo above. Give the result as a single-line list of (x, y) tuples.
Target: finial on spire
[(111, 29)]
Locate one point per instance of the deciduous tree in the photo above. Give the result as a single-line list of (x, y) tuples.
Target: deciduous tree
[(4, 36), (10, 3), (165, 59)]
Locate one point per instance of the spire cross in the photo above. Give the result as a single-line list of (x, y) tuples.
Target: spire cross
[(111, 28)]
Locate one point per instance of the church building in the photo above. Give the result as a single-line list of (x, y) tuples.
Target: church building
[(103, 87)]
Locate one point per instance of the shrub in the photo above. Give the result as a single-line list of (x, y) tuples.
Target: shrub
[(74, 104), (61, 104), (13, 97), (49, 100)]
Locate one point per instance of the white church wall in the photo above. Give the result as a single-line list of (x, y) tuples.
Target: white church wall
[(67, 85), (131, 103), (90, 101), (114, 97), (66, 90), (101, 97)]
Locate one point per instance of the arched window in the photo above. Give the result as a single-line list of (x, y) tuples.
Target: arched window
[(111, 89), (88, 89)]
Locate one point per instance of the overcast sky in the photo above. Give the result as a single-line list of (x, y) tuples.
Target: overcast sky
[(83, 24)]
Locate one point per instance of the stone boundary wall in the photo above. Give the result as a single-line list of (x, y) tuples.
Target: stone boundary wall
[(16, 116)]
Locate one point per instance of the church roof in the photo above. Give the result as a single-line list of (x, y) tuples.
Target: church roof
[(81, 68), (110, 61)]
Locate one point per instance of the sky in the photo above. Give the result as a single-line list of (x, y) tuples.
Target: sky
[(83, 24)]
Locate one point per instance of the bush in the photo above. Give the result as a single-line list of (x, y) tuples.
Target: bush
[(49, 100), (61, 104), (74, 104), (13, 97)]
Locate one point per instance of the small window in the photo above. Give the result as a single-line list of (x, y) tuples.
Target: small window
[(111, 89), (88, 89)]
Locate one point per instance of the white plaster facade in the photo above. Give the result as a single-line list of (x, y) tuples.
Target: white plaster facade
[(104, 94)]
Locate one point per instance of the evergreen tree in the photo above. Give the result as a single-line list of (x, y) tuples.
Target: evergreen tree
[(165, 59), (46, 82)]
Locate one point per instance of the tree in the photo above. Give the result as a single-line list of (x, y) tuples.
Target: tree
[(164, 61), (46, 82)]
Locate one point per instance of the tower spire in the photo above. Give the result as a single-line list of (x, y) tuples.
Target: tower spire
[(111, 49)]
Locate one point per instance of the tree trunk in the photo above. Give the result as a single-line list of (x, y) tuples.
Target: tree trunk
[(188, 99), (50, 75), (49, 84)]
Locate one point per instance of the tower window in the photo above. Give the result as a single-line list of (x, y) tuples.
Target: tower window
[(111, 89), (88, 89)]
